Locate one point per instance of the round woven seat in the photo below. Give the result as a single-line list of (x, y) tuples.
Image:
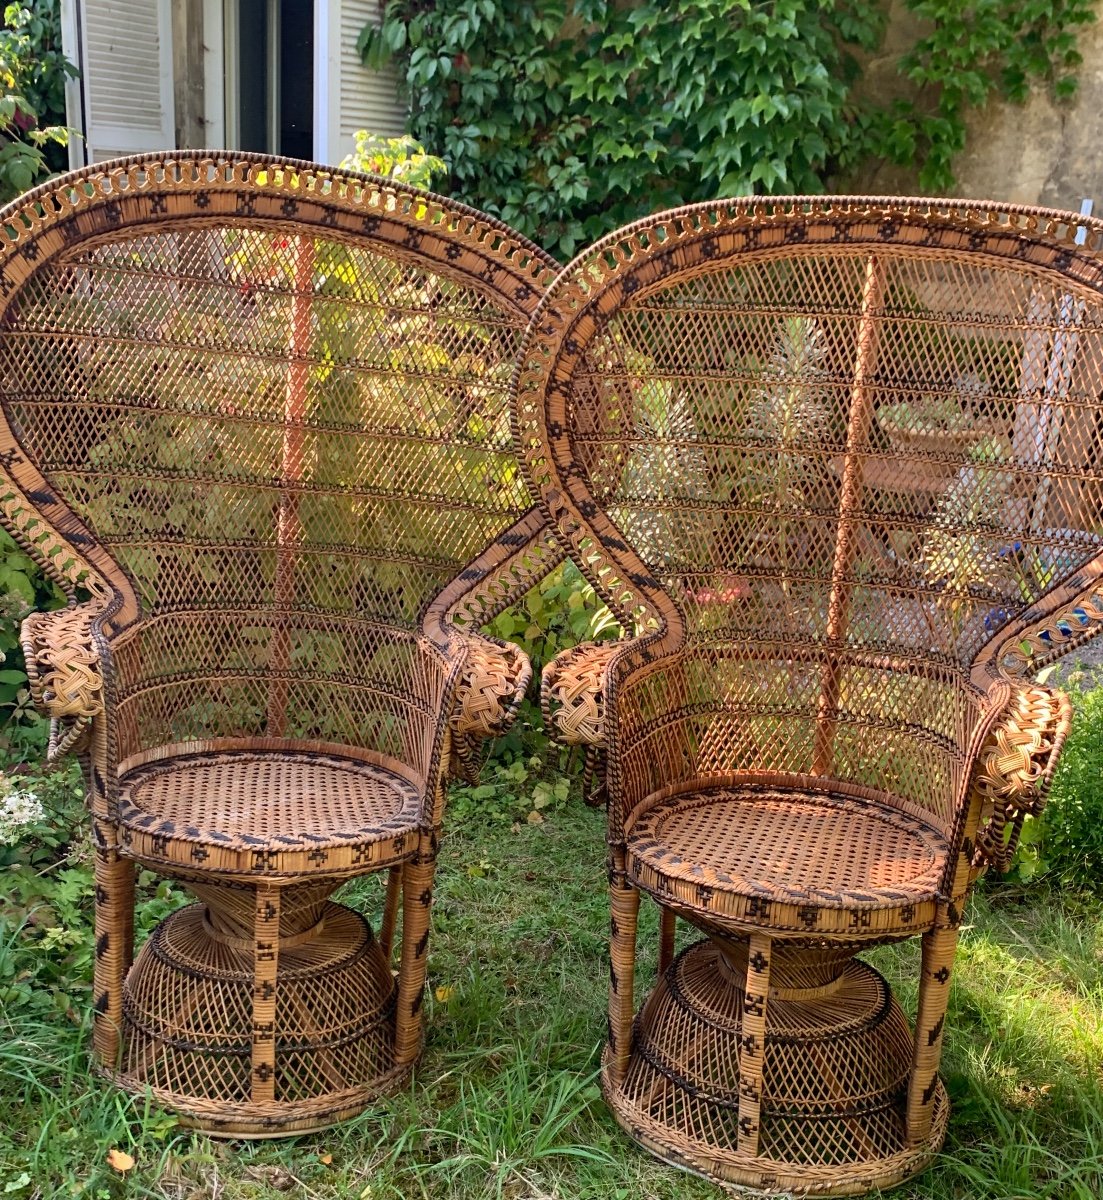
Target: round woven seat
[(267, 810), (821, 861)]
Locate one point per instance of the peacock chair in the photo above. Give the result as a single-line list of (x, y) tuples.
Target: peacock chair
[(255, 423), (849, 492)]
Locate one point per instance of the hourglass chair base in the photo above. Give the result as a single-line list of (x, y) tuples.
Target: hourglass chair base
[(830, 1117)]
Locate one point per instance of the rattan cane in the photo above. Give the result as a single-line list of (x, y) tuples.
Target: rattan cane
[(255, 422), (838, 460)]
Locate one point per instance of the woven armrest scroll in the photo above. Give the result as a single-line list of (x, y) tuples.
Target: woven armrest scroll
[(491, 689), (1015, 769), (488, 696), (65, 674), (572, 694)]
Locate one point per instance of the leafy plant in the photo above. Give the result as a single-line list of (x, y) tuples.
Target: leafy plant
[(568, 118), (789, 412), (513, 788), (402, 158), (1066, 842), (23, 587), (33, 71), (559, 612), (961, 555)]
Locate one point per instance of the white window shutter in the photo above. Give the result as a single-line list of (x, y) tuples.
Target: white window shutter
[(349, 96), (123, 102)]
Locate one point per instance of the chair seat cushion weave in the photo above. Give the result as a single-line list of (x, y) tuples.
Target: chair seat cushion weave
[(825, 856), (262, 809)]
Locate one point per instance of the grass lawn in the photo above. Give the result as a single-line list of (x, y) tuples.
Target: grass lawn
[(505, 1103)]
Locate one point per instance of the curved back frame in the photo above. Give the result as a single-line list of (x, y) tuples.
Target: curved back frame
[(260, 409), (847, 453)]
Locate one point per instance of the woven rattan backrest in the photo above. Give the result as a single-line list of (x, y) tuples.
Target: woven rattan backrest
[(246, 389), (851, 446)]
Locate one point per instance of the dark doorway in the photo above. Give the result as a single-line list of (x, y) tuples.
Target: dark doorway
[(274, 77)]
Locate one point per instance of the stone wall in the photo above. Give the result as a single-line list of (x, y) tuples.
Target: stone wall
[(1040, 152)]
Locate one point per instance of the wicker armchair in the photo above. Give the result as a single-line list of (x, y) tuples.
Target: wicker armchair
[(255, 422), (848, 488)]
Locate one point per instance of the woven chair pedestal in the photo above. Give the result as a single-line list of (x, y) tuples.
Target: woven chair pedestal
[(836, 1057), (245, 1056)]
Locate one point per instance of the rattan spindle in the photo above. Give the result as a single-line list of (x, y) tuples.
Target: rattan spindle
[(839, 463), (255, 422)]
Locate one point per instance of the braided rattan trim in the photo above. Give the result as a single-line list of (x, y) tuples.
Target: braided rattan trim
[(65, 673), (1015, 769), (572, 693), (491, 688)]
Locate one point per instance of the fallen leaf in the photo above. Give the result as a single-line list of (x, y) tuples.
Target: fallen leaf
[(325, 1158), (444, 993), (119, 1159), (535, 818), (276, 1177)]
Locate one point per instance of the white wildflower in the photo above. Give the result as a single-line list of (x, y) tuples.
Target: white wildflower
[(19, 807)]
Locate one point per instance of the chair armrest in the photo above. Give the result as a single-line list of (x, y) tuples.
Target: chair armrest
[(1015, 768), (65, 672), (491, 687), (573, 694)]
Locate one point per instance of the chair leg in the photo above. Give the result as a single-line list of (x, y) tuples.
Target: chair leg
[(390, 911), (939, 946), (593, 777), (624, 903), (752, 1042), (667, 928), (114, 881), (417, 899), (266, 951)]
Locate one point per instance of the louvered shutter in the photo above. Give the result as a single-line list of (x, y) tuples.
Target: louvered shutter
[(124, 100), (350, 96)]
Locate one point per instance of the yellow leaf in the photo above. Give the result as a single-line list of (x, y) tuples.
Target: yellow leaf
[(444, 994), (325, 1158), (535, 818), (119, 1159)]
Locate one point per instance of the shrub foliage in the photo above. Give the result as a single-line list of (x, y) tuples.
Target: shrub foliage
[(568, 118)]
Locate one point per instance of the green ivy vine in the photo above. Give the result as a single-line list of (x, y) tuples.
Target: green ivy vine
[(568, 118), (972, 52)]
